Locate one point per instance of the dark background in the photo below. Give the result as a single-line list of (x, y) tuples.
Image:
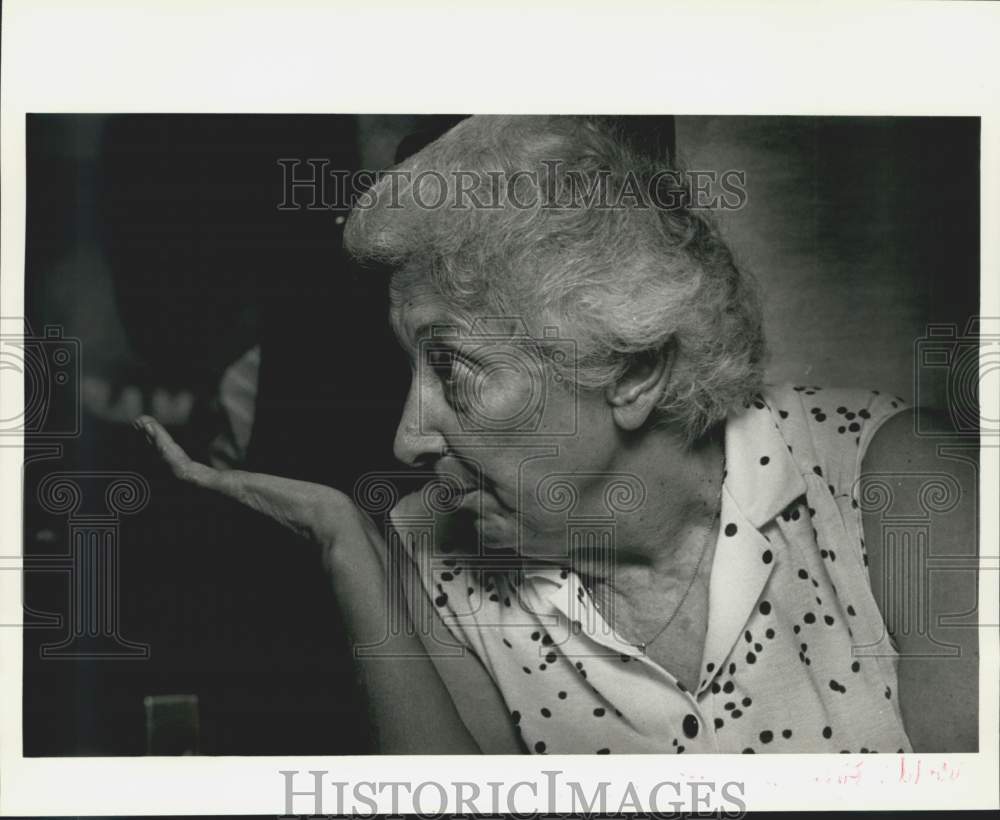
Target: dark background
[(156, 241)]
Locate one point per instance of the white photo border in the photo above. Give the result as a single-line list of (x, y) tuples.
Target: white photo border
[(877, 58)]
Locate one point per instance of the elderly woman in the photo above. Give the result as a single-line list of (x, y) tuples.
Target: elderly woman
[(633, 544)]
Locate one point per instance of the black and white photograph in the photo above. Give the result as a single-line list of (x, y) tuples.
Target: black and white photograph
[(351, 435), (529, 363)]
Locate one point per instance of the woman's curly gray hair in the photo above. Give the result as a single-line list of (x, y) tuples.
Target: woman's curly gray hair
[(563, 221)]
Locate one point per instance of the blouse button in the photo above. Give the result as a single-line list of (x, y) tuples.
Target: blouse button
[(690, 726)]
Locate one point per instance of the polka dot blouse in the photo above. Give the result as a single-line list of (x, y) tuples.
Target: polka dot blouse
[(795, 660)]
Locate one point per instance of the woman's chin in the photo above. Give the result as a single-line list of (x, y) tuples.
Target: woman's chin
[(497, 533)]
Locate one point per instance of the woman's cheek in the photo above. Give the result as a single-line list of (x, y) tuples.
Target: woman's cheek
[(498, 405)]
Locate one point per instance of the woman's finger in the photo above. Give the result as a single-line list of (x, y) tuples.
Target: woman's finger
[(169, 450)]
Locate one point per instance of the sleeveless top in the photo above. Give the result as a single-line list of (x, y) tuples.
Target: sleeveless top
[(796, 657)]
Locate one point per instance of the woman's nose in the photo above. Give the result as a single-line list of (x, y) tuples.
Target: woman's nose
[(418, 436)]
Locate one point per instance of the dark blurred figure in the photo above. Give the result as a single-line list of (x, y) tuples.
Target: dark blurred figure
[(208, 268), (247, 310)]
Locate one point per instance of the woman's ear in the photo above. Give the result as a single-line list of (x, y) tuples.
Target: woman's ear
[(635, 395)]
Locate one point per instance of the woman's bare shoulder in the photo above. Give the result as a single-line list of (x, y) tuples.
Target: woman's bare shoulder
[(927, 492)]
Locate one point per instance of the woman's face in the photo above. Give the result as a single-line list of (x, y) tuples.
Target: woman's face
[(485, 411)]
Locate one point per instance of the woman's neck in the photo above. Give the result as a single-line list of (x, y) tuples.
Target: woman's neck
[(683, 486)]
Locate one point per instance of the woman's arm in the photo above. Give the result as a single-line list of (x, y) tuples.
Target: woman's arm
[(938, 692), (411, 710), (471, 687)]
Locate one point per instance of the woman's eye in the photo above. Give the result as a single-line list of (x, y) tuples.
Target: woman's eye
[(443, 363)]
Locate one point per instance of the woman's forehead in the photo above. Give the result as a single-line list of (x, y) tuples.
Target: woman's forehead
[(419, 316), (417, 311)]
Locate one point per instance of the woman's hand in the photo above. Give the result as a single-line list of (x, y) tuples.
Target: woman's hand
[(173, 455), (411, 708), (318, 513)]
